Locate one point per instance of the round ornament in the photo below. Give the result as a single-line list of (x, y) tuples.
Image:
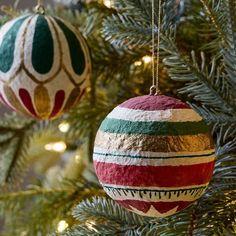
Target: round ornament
[(154, 155), (44, 65)]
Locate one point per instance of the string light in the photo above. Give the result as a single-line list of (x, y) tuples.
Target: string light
[(24, 233), (62, 226), (147, 59), (107, 3), (64, 127), (56, 147), (138, 63), (77, 159)]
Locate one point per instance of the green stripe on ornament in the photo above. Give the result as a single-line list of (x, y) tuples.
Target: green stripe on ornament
[(76, 52), (43, 48), (7, 48), (153, 128)]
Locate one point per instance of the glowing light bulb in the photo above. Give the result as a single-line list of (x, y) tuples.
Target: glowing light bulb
[(77, 159), (138, 63), (147, 59), (56, 147), (64, 127), (107, 3), (62, 226)]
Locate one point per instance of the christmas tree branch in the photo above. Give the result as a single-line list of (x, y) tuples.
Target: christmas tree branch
[(43, 208), (215, 19), (201, 84), (101, 216), (127, 27), (14, 142), (109, 218)]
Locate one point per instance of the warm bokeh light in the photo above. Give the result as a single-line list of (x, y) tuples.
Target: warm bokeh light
[(62, 226), (107, 3), (138, 63), (147, 59), (64, 127), (56, 147), (77, 159)]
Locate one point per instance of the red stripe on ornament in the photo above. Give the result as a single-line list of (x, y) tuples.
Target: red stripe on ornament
[(161, 207), (58, 102), (154, 176), (152, 103), (27, 101)]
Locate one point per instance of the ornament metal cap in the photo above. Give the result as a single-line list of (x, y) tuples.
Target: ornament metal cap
[(154, 91), (39, 9)]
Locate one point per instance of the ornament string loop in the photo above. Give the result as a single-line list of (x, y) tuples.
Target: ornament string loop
[(154, 90), (39, 9)]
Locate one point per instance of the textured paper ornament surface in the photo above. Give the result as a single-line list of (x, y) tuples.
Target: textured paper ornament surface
[(154, 155), (44, 65)]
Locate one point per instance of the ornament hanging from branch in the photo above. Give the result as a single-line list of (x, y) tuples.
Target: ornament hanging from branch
[(154, 154), (44, 65)]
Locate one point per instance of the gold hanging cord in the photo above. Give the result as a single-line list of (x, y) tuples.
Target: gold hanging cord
[(39, 9), (154, 90)]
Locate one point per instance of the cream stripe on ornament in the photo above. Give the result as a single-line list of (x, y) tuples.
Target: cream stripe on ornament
[(152, 162), (188, 194), (134, 153), (171, 115), (154, 213)]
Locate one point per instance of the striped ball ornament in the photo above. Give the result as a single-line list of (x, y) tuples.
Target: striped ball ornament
[(44, 65), (154, 155)]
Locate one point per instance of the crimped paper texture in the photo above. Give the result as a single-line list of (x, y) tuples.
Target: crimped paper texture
[(154, 155)]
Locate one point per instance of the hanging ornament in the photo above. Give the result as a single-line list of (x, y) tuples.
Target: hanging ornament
[(44, 65), (153, 154)]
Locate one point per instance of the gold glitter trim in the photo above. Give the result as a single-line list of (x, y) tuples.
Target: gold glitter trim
[(42, 101), (13, 100), (182, 143)]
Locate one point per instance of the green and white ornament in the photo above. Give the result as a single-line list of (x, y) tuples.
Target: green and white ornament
[(44, 65)]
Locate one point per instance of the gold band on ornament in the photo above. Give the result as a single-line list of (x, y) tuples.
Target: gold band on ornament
[(182, 143), (42, 101), (13, 100)]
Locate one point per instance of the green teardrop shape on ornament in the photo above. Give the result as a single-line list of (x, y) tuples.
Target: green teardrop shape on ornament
[(8, 45), (76, 52), (43, 50)]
